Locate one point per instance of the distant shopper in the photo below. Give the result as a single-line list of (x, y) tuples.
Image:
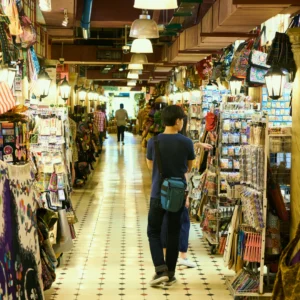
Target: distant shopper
[(121, 117), (177, 155), (100, 123)]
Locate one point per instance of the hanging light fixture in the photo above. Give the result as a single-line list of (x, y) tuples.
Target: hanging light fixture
[(44, 82), (178, 96), (45, 5), (8, 75), (131, 83), (135, 67), (65, 89), (155, 4), (196, 93), (144, 27), (235, 85), (133, 75), (139, 58), (275, 81), (82, 94), (186, 95), (141, 46)]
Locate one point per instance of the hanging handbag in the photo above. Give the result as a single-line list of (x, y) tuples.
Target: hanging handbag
[(241, 60), (258, 66), (172, 189), (28, 36), (287, 285)]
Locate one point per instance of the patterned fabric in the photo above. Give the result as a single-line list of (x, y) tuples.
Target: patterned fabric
[(7, 100), (20, 265), (99, 120)]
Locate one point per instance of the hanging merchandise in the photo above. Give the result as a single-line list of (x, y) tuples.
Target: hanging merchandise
[(7, 100), (287, 279), (20, 262), (257, 63), (11, 11)]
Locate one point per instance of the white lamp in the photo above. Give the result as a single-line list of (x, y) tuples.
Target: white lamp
[(135, 67), (82, 94), (144, 28), (139, 58), (155, 4), (275, 80), (235, 85), (133, 75), (131, 83), (65, 89), (44, 82), (141, 46)]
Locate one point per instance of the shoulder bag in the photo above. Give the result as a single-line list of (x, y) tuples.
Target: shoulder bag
[(258, 66), (172, 189)]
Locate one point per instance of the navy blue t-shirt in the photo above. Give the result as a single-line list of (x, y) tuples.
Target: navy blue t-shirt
[(175, 151)]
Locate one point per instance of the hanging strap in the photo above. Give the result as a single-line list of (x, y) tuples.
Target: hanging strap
[(157, 156), (256, 44)]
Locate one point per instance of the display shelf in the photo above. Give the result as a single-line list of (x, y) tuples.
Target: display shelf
[(234, 294)]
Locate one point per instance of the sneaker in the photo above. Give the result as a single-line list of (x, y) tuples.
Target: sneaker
[(159, 279), (171, 281), (186, 262)]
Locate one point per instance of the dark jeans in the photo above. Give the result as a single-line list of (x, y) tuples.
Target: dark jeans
[(121, 130), (184, 231), (101, 137), (155, 221)]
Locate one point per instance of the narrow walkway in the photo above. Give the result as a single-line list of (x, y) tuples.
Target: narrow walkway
[(110, 259)]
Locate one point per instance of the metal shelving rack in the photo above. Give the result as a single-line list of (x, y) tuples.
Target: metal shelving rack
[(262, 291)]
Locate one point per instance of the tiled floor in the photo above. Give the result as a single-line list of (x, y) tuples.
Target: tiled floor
[(110, 259)]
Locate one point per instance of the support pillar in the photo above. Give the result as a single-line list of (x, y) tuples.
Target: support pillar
[(294, 34)]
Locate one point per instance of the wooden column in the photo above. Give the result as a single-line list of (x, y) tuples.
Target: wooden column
[(294, 34)]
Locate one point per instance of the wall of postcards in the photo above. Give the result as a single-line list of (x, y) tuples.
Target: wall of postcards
[(278, 110)]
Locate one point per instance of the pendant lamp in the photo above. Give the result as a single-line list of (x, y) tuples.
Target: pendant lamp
[(141, 46), (65, 89), (133, 75), (82, 94), (144, 28), (44, 82), (186, 96), (139, 58), (155, 4), (235, 85), (196, 93), (131, 83), (135, 67), (275, 81)]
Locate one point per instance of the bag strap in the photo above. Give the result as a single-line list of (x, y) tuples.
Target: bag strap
[(157, 155), (256, 44)]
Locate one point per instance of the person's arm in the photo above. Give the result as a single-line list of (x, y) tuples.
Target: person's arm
[(149, 159), (203, 145), (190, 165)]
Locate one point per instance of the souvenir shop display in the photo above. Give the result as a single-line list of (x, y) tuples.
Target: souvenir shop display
[(246, 244), (279, 111)]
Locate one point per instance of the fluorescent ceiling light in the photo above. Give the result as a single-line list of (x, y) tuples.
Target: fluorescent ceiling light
[(141, 46), (155, 4)]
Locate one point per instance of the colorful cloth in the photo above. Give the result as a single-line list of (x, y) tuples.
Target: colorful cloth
[(99, 120), (20, 266)]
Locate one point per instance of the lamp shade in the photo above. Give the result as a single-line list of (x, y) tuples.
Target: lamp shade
[(275, 80), (90, 95), (235, 85), (82, 94), (186, 96), (135, 67), (144, 28), (139, 58), (131, 83), (8, 75), (44, 82), (133, 75), (155, 4), (141, 46), (65, 89)]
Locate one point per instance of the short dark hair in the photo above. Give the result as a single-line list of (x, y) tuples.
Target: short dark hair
[(98, 107), (121, 105), (171, 113)]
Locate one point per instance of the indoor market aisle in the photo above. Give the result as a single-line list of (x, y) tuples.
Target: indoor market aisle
[(110, 258)]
